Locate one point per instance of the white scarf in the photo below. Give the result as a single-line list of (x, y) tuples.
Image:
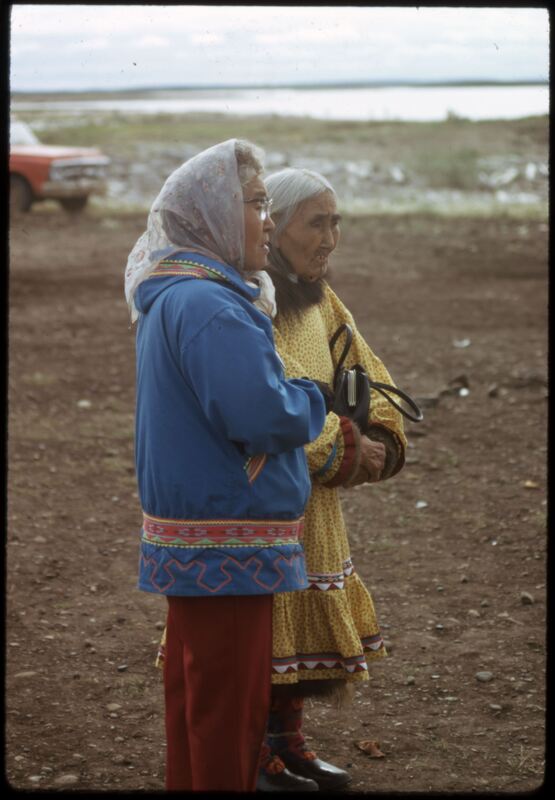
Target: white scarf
[(199, 208), (266, 301)]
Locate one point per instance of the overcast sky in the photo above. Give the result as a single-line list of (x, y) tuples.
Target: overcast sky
[(111, 47)]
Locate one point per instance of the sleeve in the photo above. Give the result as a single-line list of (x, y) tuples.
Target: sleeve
[(385, 422), (237, 377), (334, 456)]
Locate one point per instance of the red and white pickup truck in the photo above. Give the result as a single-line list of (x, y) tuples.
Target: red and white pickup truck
[(43, 172)]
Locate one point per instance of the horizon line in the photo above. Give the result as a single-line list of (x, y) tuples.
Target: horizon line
[(394, 83)]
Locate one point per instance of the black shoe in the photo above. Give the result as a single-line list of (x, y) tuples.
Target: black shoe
[(284, 781), (326, 775)]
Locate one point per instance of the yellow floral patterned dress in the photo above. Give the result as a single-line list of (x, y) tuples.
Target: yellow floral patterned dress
[(330, 629)]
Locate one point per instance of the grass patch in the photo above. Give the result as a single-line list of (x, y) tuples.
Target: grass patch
[(448, 169), (133, 686), (115, 131)]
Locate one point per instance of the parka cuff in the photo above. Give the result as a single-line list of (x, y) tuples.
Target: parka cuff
[(351, 454)]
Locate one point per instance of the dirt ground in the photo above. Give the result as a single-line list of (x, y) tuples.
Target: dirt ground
[(453, 549)]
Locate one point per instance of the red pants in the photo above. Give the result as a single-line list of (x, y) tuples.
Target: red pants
[(217, 690)]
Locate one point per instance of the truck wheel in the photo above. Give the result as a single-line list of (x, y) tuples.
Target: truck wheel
[(74, 204), (21, 195)]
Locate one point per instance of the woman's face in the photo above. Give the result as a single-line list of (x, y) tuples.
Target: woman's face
[(311, 236), (257, 231)]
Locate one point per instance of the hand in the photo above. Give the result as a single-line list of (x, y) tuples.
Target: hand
[(372, 458), (361, 476)]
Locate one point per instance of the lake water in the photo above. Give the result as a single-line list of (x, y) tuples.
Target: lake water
[(394, 103)]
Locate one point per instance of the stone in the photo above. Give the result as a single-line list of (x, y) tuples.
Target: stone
[(484, 676), (67, 780), (526, 599)]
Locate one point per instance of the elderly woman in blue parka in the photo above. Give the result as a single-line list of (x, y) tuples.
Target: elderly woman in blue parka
[(221, 469)]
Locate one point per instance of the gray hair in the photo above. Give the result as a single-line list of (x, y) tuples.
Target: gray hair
[(288, 188), (250, 160)]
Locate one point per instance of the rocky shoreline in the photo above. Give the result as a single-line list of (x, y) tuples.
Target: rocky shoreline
[(362, 185), (456, 166)]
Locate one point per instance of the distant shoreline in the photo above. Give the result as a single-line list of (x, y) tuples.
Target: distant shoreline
[(146, 90)]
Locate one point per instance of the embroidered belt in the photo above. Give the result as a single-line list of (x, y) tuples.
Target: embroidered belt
[(220, 533)]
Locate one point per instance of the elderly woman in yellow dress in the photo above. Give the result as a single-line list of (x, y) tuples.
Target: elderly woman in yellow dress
[(323, 636)]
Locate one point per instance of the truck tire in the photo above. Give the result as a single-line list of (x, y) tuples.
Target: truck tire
[(21, 195), (74, 204)]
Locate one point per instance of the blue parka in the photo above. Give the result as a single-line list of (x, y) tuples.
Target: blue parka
[(221, 469)]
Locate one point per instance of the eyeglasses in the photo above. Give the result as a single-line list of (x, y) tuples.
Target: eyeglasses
[(264, 206)]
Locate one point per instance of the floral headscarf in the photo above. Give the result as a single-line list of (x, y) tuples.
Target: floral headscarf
[(200, 208)]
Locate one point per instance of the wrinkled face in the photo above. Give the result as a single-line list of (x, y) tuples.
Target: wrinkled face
[(257, 231), (311, 236)]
